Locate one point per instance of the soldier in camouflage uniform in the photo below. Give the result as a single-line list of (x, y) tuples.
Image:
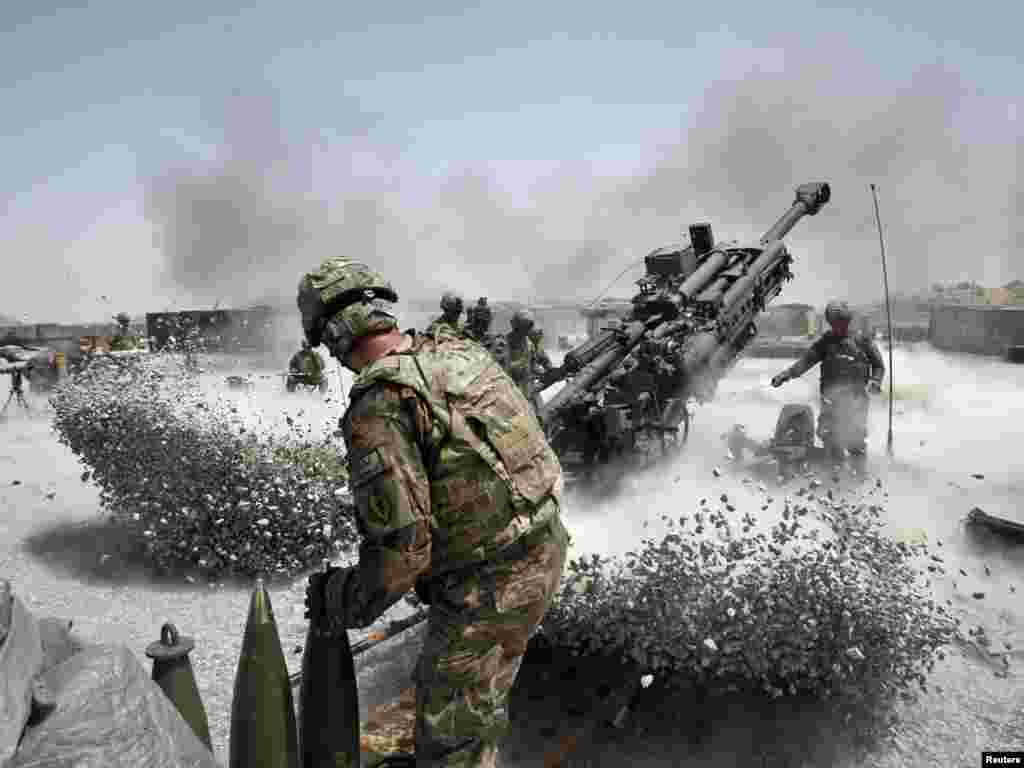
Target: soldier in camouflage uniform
[(520, 361), (540, 355), (479, 319), (851, 366), (457, 494), (306, 367), (450, 320)]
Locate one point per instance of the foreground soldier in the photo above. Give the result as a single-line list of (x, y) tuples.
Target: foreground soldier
[(457, 493), (449, 322), (850, 367)]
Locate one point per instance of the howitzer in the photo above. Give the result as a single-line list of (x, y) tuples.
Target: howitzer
[(692, 317)]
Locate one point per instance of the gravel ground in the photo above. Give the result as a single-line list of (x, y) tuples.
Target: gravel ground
[(954, 452), (63, 561)]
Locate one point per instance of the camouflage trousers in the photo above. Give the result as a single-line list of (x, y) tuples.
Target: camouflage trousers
[(843, 423), (477, 633)]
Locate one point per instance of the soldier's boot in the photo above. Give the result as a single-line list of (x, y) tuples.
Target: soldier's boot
[(834, 456)]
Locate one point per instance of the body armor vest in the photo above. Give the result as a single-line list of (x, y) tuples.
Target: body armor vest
[(490, 467), (845, 364)]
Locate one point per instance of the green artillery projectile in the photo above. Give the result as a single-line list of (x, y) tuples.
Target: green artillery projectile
[(263, 731), (328, 699), (172, 671)]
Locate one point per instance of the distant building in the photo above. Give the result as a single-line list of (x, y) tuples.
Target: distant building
[(597, 315), (220, 330)]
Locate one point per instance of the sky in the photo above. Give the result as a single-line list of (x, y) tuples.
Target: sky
[(188, 154)]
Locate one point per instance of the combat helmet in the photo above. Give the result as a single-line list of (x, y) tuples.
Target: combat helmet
[(838, 311), (342, 300), (522, 320), (451, 303)]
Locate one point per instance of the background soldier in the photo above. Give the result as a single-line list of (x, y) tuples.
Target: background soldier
[(123, 339), (542, 365), (479, 321), (306, 367), (450, 320), (520, 359), (851, 365), (464, 517)]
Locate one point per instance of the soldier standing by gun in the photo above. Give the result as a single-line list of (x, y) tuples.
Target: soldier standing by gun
[(458, 500), (851, 366), (521, 357), (542, 366), (450, 320)]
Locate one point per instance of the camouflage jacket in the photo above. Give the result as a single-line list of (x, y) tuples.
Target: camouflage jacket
[(308, 363), (448, 465), (541, 361), (446, 326), (521, 361), (846, 361)]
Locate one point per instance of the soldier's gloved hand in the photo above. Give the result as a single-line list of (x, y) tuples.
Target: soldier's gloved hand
[(316, 597), (342, 607), (875, 387), (779, 379)]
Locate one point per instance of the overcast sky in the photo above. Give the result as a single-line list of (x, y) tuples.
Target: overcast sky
[(180, 154)]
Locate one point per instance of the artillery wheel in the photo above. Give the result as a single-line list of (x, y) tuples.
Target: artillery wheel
[(674, 442)]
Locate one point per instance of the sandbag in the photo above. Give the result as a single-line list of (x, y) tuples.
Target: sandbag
[(109, 714), (21, 659)]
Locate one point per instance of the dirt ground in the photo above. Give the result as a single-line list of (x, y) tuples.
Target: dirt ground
[(65, 561)]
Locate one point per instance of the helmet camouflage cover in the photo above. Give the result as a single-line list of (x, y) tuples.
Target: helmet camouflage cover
[(343, 300), (838, 311), (522, 319), (451, 302)]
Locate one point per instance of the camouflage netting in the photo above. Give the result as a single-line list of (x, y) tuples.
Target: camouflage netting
[(822, 603), (207, 492)]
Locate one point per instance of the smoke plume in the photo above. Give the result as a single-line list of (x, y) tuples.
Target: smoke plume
[(945, 158)]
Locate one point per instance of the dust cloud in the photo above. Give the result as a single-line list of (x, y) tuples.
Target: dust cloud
[(953, 417), (946, 158)]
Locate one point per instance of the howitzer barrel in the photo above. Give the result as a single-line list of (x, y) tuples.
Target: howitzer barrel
[(809, 199)]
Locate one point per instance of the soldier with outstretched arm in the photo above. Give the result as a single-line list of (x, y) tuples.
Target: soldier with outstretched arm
[(457, 495), (851, 366)]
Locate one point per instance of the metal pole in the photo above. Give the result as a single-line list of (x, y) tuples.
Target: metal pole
[(888, 312)]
